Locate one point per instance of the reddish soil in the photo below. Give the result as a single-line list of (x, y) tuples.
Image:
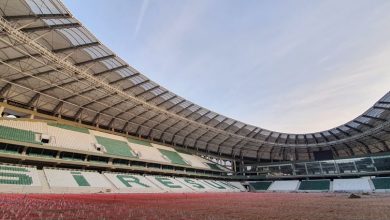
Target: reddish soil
[(286, 206)]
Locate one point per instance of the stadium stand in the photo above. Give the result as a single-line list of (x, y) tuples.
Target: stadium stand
[(216, 186), (169, 184), (173, 156), (381, 183), (132, 183), (19, 179), (75, 181), (261, 185), (314, 185), (139, 142), (89, 140), (213, 166), (194, 161), (195, 184), (148, 153), (90, 128), (284, 186), (15, 134), (60, 137), (352, 185), (115, 147)]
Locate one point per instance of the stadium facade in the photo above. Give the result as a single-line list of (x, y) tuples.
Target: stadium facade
[(79, 106)]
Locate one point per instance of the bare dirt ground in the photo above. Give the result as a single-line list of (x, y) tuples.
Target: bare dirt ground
[(286, 206)]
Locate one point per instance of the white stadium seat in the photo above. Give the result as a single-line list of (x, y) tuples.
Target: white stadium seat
[(132, 183), (169, 184), (284, 185), (76, 181), (350, 185)]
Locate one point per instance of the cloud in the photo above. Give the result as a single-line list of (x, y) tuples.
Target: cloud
[(141, 16)]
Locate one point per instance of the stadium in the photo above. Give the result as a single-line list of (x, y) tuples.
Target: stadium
[(81, 129)]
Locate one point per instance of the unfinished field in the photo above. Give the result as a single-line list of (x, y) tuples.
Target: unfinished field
[(195, 206)]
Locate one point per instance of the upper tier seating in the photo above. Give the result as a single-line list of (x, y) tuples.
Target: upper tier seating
[(148, 153), (261, 185), (213, 166), (381, 183), (173, 156), (18, 135), (285, 185), (132, 183), (358, 184), (72, 139), (115, 147), (83, 139), (139, 142), (37, 127), (68, 127), (314, 185), (194, 161)]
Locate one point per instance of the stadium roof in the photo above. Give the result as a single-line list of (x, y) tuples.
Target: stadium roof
[(50, 62)]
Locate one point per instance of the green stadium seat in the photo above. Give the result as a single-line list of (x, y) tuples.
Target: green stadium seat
[(381, 183), (319, 185), (173, 156), (68, 127), (139, 142), (18, 135), (116, 147), (213, 166), (260, 186)]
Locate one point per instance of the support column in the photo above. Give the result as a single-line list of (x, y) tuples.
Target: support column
[(1, 110)]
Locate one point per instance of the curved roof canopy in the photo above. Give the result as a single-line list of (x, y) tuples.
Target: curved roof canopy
[(52, 63)]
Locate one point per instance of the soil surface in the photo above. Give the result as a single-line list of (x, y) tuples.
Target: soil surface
[(210, 206)]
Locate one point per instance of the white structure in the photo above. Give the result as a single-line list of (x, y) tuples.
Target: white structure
[(76, 181), (351, 185), (132, 183), (19, 179), (284, 185), (169, 184)]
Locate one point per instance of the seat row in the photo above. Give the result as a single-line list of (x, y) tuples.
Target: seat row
[(365, 184), (53, 134), (53, 180)]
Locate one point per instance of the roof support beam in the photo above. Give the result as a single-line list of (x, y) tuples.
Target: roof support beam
[(381, 107), (368, 151), (375, 118), (51, 27), (5, 91), (387, 148), (95, 60), (361, 123), (147, 90), (36, 16)]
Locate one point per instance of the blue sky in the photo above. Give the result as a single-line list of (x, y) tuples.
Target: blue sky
[(290, 66)]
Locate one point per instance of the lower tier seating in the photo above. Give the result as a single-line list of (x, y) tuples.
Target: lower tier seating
[(314, 185), (132, 183), (18, 179), (356, 184), (285, 185), (381, 183), (53, 180), (260, 186)]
